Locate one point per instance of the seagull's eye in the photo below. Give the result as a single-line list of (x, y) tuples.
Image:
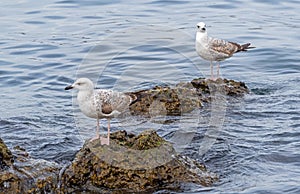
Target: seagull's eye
[(79, 84), (198, 26)]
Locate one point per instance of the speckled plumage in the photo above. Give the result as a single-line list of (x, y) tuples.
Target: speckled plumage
[(100, 103), (110, 103), (213, 49)]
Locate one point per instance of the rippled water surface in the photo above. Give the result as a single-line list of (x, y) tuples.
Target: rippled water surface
[(46, 45)]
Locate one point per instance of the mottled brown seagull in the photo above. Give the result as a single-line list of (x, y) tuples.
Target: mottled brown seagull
[(213, 49), (100, 103)]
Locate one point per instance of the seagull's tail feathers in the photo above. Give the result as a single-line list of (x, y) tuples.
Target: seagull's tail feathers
[(133, 98), (245, 47)]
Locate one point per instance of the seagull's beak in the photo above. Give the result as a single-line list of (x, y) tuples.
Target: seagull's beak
[(69, 87)]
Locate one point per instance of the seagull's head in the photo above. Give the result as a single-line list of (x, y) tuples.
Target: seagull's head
[(81, 84), (201, 27)]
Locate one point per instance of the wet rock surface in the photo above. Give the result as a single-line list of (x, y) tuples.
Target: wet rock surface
[(6, 157), (184, 97), (228, 87), (132, 164), (164, 100), (27, 175), (142, 163)]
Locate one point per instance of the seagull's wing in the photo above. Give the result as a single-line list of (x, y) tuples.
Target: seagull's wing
[(224, 47), (102, 101), (112, 102)]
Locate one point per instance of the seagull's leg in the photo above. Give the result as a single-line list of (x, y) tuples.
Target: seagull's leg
[(218, 70), (97, 131), (108, 130), (105, 141), (211, 71)]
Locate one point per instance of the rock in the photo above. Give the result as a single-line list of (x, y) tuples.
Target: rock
[(6, 157), (9, 181), (131, 163), (165, 101), (184, 97), (27, 175), (228, 87)]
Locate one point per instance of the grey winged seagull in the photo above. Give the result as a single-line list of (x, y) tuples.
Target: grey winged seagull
[(100, 103), (214, 49)]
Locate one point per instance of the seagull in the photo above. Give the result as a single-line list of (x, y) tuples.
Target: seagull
[(213, 49), (100, 103)]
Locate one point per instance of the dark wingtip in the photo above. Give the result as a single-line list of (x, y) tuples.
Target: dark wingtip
[(134, 98), (245, 47)]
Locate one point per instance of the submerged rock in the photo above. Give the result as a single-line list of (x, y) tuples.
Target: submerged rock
[(6, 157), (132, 164), (27, 175), (227, 87)]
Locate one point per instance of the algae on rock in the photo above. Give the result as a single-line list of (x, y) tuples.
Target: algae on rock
[(6, 157), (184, 97), (143, 163), (27, 175)]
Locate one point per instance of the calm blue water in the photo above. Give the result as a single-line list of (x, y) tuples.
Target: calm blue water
[(45, 45)]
